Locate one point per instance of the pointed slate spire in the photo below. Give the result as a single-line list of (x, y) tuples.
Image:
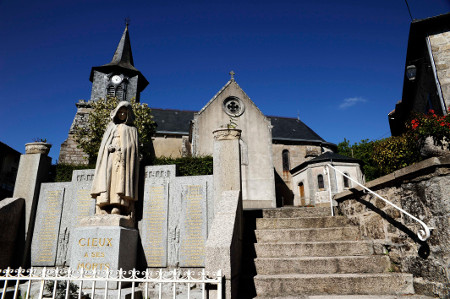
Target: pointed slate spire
[(122, 61), (123, 56)]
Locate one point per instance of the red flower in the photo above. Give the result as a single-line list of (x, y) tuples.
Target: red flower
[(431, 111)]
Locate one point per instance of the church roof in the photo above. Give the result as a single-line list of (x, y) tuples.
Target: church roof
[(292, 129), (122, 61), (171, 121), (328, 156)]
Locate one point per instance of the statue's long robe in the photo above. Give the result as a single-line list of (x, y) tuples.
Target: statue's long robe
[(116, 173)]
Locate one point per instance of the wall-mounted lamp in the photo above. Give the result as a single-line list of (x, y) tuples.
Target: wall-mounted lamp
[(411, 72)]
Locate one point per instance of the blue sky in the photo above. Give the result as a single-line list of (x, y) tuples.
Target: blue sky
[(337, 64)]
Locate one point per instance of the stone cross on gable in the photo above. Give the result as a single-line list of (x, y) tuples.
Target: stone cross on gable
[(232, 75)]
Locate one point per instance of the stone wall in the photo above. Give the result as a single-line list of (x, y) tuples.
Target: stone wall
[(440, 46), (320, 197), (69, 152), (12, 214), (298, 154), (422, 190), (258, 187), (101, 81), (168, 146)]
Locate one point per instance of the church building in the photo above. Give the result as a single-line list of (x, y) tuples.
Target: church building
[(271, 146)]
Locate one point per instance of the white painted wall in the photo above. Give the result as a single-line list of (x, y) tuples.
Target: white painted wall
[(309, 174), (258, 184)]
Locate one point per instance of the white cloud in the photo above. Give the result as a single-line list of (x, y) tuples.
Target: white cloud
[(349, 102)]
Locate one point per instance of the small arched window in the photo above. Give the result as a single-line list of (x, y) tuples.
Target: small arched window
[(346, 181), (320, 183), (286, 164)]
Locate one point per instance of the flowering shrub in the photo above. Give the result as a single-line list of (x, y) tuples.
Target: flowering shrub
[(384, 156), (395, 152), (90, 136), (424, 125)]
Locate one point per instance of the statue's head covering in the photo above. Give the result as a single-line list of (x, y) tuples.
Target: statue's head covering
[(130, 115)]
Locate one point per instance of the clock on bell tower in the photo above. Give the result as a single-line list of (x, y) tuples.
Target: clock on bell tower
[(119, 78)]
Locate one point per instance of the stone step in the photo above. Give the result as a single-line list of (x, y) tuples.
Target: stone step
[(305, 222), (294, 249), (349, 297), (342, 284), (291, 212), (307, 235), (323, 265)]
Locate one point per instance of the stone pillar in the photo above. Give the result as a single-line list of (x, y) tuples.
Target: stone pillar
[(226, 161), (224, 244), (33, 170)]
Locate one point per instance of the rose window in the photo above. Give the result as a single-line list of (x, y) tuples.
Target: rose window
[(233, 106)]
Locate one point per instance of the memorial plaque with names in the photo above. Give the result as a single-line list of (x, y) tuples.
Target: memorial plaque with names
[(175, 219), (48, 218), (83, 203), (154, 225), (65, 228), (194, 226)]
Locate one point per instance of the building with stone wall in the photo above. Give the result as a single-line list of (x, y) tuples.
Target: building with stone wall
[(119, 79), (311, 183), (426, 83), (232, 107), (271, 145)]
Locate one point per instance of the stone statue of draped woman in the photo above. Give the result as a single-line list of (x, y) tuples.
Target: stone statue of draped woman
[(115, 185)]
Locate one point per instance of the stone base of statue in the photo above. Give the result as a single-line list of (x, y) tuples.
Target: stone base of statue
[(104, 243)]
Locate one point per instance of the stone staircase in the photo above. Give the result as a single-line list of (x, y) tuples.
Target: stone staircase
[(306, 252)]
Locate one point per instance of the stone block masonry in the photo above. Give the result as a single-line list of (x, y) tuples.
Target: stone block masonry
[(177, 213), (423, 190), (12, 213), (440, 46), (69, 152), (105, 247)]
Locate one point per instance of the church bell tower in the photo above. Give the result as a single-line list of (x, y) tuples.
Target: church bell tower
[(119, 78)]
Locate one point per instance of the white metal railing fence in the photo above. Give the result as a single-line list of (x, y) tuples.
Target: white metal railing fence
[(62, 282), (422, 234)]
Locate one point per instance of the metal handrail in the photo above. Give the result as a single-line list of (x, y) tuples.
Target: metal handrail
[(422, 234)]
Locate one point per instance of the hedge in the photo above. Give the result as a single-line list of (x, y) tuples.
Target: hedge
[(186, 166)]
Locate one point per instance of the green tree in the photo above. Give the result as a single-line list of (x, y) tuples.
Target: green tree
[(89, 136), (395, 152), (363, 151), (381, 157)]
